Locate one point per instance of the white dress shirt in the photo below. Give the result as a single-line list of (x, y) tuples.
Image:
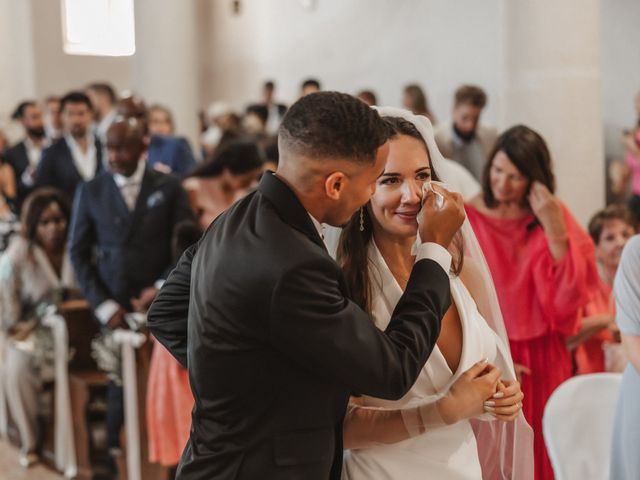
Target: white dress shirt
[(85, 162), (130, 186)]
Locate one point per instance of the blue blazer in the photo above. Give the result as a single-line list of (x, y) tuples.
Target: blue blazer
[(171, 151), (56, 168), (115, 252)]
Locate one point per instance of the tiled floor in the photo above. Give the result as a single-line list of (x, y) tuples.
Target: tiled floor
[(11, 470)]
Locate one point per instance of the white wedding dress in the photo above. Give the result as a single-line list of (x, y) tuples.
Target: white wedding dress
[(446, 452)]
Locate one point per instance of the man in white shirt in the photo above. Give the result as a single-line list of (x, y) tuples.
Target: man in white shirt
[(77, 156), (24, 156), (464, 140)]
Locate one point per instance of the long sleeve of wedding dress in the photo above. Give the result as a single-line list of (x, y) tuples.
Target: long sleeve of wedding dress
[(366, 427)]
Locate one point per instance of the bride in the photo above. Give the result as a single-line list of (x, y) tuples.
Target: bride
[(420, 436)]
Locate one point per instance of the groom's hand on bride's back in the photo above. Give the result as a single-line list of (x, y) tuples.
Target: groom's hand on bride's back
[(439, 225)]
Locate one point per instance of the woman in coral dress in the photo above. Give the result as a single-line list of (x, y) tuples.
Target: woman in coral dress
[(542, 265)]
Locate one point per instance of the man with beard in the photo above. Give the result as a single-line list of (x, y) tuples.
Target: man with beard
[(465, 140), (24, 156), (77, 156)]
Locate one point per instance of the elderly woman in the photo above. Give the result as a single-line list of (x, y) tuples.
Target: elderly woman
[(542, 265), (35, 273)]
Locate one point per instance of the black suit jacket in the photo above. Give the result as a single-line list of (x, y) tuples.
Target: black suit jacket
[(116, 252), (56, 168), (18, 158), (260, 314)]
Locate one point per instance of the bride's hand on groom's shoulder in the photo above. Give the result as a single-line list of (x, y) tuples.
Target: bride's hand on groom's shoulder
[(506, 403), (467, 395)]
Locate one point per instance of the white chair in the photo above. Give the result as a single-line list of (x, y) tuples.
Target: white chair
[(578, 424)]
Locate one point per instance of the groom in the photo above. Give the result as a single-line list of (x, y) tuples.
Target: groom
[(260, 313)]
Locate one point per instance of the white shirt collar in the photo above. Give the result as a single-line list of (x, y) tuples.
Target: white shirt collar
[(34, 151), (318, 225), (85, 162), (134, 179)]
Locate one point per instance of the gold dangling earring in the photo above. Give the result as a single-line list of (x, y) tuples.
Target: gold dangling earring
[(362, 219)]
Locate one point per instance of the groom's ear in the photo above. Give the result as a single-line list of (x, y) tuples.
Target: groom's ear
[(334, 185)]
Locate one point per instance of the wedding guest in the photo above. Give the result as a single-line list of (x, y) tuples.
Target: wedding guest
[(625, 461), (368, 97), (77, 156), (275, 111), (160, 121), (310, 85), (120, 239), (103, 98), (465, 140), (415, 100), (217, 184), (53, 124), (35, 272), (610, 229), (8, 211), (24, 156), (542, 263), (223, 125), (166, 153)]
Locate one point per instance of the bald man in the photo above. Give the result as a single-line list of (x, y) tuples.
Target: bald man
[(121, 236)]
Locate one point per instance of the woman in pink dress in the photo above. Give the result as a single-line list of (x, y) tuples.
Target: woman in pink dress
[(610, 229), (542, 264), (227, 177)]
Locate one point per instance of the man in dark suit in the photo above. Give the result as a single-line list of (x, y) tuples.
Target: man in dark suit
[(77, 156), (275, 111), (121, 237), (260, 313), (24, 156)]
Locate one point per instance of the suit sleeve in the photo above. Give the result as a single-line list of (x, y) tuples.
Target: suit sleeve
[(185, 160), (168, 315), (82, 238), (182, 211), (316, 326)]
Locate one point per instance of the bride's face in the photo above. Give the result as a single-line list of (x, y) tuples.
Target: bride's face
[(398, 196)]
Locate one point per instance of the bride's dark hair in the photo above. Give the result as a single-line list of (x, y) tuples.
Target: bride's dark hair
[(352, 252)]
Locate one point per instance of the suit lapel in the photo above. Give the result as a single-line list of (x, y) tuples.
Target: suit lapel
[(73, 170), (99, 166), (23, 158), (146, 188), (119, 204), (289, 207)]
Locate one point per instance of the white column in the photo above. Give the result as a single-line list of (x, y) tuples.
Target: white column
[(552, 83), (165, 65), (17, 69)]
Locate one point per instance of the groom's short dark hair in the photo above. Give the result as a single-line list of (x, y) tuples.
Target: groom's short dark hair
[(334, 125)]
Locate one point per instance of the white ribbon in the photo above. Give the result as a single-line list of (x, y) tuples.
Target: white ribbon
[(130, 340), (64, 445)]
